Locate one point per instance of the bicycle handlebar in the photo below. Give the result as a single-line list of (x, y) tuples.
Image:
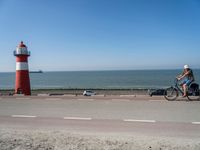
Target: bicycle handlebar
[(176, 81)]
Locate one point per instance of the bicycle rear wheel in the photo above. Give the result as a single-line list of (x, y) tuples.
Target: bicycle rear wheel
[(171, 94), (193, 95)]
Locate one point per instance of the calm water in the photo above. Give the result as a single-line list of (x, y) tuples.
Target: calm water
[(98, 79)]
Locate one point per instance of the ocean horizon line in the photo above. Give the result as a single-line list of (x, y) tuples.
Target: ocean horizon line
[(105, 70)]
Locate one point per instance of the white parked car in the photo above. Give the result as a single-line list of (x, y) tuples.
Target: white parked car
[(88, 93)]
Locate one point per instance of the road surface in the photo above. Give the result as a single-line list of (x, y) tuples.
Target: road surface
[(128, 115)]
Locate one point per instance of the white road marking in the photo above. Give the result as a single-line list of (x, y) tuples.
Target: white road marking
[(85, 99), (100, 95), (23, 98), (69, 95), (52, 98), (133, 120), (77, 118), (120, 99), (127, 95), (158, 100), (43, 94), (195, 122), (23, 116)]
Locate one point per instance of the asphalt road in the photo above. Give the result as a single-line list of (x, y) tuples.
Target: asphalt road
[(120, 114)]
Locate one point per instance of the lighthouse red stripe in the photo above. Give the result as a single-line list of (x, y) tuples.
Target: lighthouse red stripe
[(21, 58)]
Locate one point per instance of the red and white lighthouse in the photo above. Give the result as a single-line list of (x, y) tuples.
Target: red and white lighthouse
[(22, 81)]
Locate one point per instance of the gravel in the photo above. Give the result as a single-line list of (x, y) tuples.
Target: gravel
[(11, 139)]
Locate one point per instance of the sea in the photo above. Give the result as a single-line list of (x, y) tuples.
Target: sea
[(129, 79)]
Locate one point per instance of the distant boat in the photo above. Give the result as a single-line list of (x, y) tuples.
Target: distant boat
[(39, 71)]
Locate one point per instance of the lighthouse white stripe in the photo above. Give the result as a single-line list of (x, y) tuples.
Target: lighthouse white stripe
[(21, 66)]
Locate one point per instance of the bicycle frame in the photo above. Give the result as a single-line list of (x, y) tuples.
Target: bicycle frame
[(177, 87)]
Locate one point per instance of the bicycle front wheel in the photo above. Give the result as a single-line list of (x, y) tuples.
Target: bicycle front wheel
[(171, 94)]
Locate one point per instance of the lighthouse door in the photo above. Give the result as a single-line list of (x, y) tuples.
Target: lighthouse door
[(19, 91)]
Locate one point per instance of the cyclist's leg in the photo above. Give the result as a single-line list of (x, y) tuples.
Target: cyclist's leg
[(184, 90), (186, 85)]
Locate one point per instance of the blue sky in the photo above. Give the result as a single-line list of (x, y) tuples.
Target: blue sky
[(70, 35)]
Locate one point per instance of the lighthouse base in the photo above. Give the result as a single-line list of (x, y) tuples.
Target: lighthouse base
[(22, 83)]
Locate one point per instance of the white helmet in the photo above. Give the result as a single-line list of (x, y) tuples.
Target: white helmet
[(186, 66)]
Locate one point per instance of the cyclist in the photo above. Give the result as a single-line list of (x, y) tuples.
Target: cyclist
[(187, 77)]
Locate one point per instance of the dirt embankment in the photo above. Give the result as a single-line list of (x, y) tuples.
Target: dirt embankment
[(62, 140)]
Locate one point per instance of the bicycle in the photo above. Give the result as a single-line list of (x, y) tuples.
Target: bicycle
[(173, 92)]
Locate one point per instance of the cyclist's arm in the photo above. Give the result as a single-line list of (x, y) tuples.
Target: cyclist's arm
[(184, 75), (179, 77)]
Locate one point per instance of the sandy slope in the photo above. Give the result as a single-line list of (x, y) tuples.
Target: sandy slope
[(11, 139)]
